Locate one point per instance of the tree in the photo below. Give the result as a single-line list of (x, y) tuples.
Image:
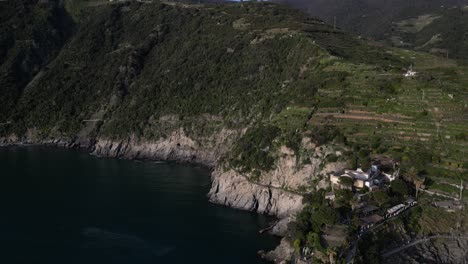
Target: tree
[(346, 181), (399, 187), (354, 202), (343, 197), (353, 162), (315, 199), (313, 241), (411, 174), (297, 246), (381, 198), (324, 215), (365, 163)]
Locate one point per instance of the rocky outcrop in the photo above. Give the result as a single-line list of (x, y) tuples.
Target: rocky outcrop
[(270, 192), (177, 147), (282, 254), (440, 250), (287, 174), (281, 227), (268, 195), (232, 189)]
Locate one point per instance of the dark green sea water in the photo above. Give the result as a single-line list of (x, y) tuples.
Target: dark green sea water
[(64, 206)]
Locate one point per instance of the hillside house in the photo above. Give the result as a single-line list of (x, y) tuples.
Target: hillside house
[(370, 221), (372, 178), (368, 210)]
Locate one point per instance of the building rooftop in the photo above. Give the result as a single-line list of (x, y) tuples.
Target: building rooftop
[(395, 208), (369, 208), (373, 219)]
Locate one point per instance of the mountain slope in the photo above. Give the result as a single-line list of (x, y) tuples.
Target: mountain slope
[(444, 32), (32, 35), (380, 19), (146, 70)]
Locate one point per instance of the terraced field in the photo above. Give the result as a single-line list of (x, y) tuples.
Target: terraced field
[(430, 109)]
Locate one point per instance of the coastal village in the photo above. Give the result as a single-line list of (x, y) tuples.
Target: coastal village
[(362, 183), (370, 196)]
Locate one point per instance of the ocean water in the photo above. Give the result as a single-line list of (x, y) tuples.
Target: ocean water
[(65, 206)]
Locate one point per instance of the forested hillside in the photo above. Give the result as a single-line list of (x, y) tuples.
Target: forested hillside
[(31, 36), (444, 33), (130, 66), (382, 20)]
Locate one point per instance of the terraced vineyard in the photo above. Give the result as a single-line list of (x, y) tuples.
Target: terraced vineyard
[(429, 110)]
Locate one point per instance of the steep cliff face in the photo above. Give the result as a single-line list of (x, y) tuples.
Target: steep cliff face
[(178, 147), (235, 190), (289, 173), (275, 192)]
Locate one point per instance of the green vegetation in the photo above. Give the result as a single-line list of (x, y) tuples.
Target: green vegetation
[(346, 181), (444, 35), (253, 151), (310, 223), (381, 198), (32, 35), (275, 68), (399, 187), (435, 26)]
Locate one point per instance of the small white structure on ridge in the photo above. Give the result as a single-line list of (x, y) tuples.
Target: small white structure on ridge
[(410, 73)]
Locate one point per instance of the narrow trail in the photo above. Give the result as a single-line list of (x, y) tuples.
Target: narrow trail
[(438, 194)]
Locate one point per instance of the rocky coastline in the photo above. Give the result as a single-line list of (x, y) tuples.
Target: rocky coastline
[(230, 189)]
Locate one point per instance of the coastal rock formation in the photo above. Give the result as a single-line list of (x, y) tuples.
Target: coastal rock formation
[(283, 253), (235, 190), (177, 147), (269, 193), (289, 174)]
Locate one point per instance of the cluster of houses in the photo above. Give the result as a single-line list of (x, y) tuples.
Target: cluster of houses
[(373, 178), (370, 217)]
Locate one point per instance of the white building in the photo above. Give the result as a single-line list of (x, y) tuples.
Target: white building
[(373, 178), (410, 73)]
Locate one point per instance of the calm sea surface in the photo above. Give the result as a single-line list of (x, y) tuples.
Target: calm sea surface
[(64, 206)]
